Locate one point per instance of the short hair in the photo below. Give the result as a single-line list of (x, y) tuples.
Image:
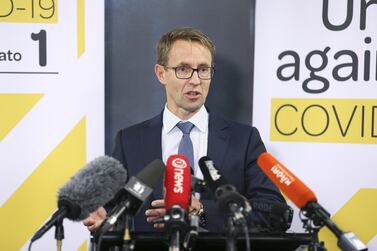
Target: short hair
[(184, 33)]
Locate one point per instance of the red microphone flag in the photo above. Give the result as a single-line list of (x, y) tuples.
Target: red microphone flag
[(177, 182)]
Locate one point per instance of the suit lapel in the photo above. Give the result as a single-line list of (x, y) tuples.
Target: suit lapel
[(151, 145), (218, 141)]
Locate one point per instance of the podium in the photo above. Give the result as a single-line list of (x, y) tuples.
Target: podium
[(212, 241)]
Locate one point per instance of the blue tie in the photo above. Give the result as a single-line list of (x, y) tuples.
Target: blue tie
[(185, 146)]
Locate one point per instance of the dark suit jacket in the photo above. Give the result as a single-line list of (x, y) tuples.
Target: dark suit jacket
[(233, 147)]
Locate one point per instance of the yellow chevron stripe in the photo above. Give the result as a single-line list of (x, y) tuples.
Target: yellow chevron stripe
[(13, 108), (80, 27), (35, 200), (358, 215), (84, 246)]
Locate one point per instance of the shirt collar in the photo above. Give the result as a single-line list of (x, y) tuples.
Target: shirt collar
[(200, 119)]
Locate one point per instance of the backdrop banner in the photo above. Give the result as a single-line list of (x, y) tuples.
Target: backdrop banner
[(315, 103), (51, 112)]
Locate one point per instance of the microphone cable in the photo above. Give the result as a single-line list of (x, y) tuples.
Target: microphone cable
[(29, 248)]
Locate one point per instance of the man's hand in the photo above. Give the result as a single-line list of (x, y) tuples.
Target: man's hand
[(156, 212), (195, 206), (95, 219)]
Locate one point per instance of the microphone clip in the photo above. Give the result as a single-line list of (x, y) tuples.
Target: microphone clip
[(232, 204), (314, 217), (198, 185), (176, 225), (176, 219)]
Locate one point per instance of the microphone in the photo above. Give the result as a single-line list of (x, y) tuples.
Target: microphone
[(229, 201), (177, 188), (198, 185), (91, 187), (305, 199), (292, 187), (280, 215), (235, 206), (133, 195), (177, 182)]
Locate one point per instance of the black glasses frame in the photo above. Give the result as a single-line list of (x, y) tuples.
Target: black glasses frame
[(192, 73)]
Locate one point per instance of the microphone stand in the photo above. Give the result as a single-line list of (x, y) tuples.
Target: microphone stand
[(236, 217), (198, 186), (59, 234), (110, 221), (192, 235), (318, 217), (128, 243), (312, 226), (175, 222), (93, 242), (231, 234), (174, 241), (315, 244)]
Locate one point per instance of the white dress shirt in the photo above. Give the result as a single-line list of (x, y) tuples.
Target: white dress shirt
[(172, 135)]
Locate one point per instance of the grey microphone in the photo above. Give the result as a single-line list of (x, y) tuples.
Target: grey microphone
[(90, 188)]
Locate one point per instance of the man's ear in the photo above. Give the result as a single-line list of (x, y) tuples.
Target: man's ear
[(160, 72)]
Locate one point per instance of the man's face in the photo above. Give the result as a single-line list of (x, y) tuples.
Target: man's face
[(185, 96)]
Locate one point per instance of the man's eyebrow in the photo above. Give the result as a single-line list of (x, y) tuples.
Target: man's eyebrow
[(187, 64), (183, 64), (204, 65)]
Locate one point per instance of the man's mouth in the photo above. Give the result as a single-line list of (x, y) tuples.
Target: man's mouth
[(193, 94)]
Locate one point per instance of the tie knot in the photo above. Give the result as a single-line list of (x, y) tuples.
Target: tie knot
[(185, 127)]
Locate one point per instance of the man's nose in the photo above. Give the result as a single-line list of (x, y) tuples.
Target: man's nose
[(195, 78)]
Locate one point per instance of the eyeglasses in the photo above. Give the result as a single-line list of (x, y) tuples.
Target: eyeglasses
[(186, 72)]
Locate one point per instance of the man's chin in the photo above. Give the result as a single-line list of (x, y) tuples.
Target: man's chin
[(193, 108)]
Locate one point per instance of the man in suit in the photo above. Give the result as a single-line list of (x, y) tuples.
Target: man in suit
[(185, 67)]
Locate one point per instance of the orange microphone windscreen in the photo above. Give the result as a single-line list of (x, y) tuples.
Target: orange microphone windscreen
[(286, 181)]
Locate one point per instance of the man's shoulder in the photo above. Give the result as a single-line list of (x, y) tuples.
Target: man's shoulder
[(151, 122), (224, 123)]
